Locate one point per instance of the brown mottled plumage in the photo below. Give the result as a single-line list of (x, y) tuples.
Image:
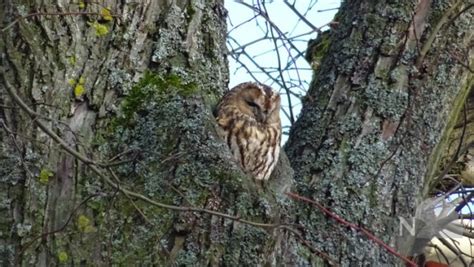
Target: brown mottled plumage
[(249, 120)]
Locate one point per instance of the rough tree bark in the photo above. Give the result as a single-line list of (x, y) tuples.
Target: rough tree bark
[(130, 93), (133, 96), (376, 120)]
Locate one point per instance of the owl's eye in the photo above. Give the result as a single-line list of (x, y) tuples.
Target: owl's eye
[(253, 104)]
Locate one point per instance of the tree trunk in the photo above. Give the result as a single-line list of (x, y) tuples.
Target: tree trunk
[(376, 120), (116, 124), (109, 154)]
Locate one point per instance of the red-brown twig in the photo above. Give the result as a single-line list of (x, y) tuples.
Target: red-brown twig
[(352, 226)]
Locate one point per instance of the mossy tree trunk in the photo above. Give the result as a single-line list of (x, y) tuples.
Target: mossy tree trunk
[(129, 87), (374, 124), (133, 95)]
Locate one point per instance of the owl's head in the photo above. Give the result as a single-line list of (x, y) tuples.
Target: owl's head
[(258, 101)]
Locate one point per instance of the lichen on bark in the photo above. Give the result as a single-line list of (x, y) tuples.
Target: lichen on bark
[(155, 128), (372, 119)]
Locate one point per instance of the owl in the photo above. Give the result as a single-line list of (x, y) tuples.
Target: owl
[(249, 122)]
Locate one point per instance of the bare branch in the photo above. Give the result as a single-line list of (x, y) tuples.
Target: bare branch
[(353, 226), (94, 166)]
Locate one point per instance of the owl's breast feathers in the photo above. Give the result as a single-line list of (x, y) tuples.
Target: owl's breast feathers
[(254, 143)]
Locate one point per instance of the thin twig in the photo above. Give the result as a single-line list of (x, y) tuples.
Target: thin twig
[(282, 76), (353, 226), (117, 180), (453, 248), (95, 167), (60, 229), (305, 242), (429, 42), (297, 13)]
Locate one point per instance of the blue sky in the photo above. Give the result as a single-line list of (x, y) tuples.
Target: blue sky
[(263, 53), (250, 29)]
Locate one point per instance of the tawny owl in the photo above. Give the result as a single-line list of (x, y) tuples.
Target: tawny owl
[(249, 120)]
